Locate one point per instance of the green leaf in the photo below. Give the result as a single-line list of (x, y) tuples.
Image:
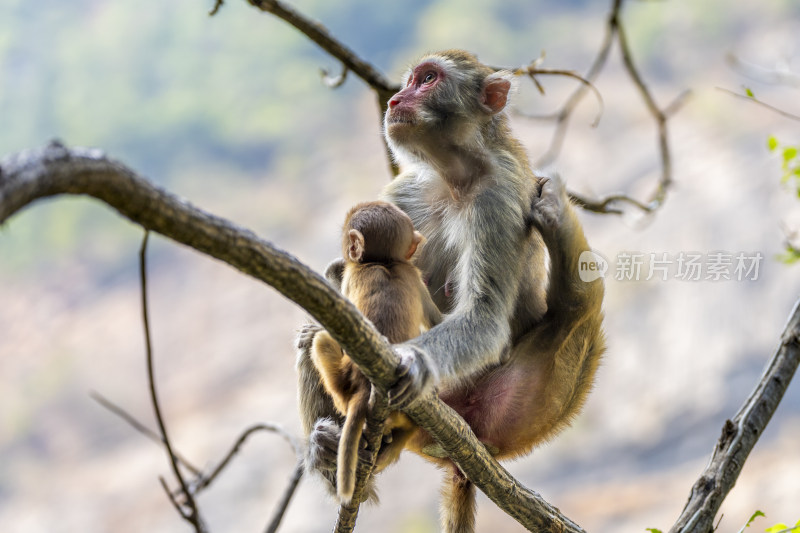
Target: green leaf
[(749, 92), (653, 530), (777, 527), (788, 257), (755, 515), (789, 153), (772, 143)]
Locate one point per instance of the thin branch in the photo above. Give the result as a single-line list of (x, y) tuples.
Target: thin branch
[(616, 31), (534, 70), (334, 82), (30, 175), (762, 104), (660, 193), (283, 504), (565, 113), (141, 428), (216, 8), (275, 428), (171, 496), (740, 435), (202, 482), (193, 514)]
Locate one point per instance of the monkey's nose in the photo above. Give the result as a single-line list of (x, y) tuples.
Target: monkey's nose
[(393, 102)]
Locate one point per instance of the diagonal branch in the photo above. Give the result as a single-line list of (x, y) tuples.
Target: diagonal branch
[(740, 435), (141, 428), (755, 100), (35, 174)]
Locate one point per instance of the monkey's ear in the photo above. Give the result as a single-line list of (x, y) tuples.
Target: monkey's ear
[(496, 89), (355, 248), (416, 240)]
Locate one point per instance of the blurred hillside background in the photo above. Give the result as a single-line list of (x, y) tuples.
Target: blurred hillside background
[(229, 112)]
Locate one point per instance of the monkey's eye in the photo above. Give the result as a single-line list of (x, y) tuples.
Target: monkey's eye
[(429, 77)]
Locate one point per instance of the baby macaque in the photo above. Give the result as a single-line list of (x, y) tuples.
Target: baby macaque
[(377, 245)]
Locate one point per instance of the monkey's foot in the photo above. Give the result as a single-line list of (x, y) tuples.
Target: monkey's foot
[(323, 445), (305, 335), (547, 203)]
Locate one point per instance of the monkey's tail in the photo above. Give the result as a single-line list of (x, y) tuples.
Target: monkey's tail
[(458, 504), (349, 445)]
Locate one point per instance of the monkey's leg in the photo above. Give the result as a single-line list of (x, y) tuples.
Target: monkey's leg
[(458, 504), (320, 420)]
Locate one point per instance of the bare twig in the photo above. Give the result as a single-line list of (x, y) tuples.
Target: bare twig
[(283, 504), (334, 82), (565, 113), (534, 70), (740, 434), (202, 482), (30, 175), (761, 103), (275, 428), (141, 428), (216, 8), (615, 31), (192, 515)]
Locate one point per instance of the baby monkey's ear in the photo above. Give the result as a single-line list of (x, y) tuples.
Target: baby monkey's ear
[(416, 240), (355, 250)]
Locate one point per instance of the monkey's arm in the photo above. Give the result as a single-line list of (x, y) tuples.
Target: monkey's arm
[(487, 276)]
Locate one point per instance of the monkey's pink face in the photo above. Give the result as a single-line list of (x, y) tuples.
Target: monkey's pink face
[(405, 107)]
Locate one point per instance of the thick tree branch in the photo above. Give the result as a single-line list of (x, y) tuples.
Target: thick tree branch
[(31, 175), (740, 435)]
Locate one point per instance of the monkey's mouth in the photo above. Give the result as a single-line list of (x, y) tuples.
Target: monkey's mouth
[(400, 118)]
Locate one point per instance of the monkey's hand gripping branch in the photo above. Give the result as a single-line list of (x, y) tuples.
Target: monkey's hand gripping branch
[(30, 175)]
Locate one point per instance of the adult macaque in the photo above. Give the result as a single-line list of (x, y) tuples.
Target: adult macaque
[(378, 241), (517, 353)]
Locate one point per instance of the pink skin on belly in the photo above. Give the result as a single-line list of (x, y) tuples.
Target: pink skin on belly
[(492, 405)]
